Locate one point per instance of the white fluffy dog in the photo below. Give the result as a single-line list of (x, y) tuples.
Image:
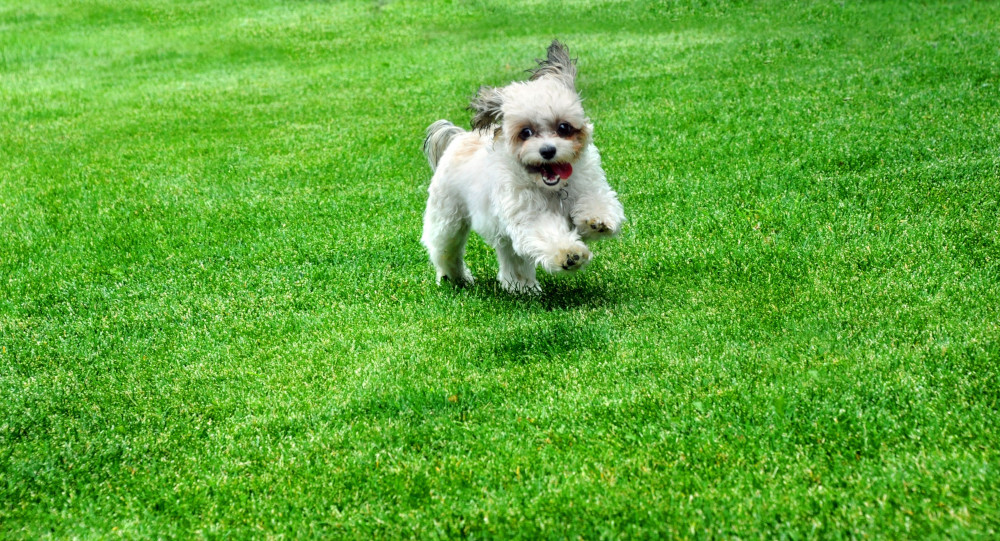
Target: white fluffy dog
[(527, 179)]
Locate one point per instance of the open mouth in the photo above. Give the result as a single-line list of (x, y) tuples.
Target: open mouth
[(552, 173)]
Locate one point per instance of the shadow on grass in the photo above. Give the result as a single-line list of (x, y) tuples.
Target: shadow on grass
[(557, 294), (556, 340), (529, 328), (416, 401)]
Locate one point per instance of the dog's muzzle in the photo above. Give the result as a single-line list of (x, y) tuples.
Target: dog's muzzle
[(552, 173)]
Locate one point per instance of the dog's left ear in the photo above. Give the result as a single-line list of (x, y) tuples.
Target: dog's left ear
[(488, 108), (557, 64)]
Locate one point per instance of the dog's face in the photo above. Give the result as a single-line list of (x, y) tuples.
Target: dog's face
[(545, 128), (541, 121)]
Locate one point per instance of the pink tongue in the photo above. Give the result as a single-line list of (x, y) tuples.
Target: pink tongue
[(564, 170)]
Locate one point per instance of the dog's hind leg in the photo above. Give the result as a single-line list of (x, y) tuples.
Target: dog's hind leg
[(445, 234), (517, 275)]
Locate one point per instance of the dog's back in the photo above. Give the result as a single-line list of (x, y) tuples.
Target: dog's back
[(439, 135)]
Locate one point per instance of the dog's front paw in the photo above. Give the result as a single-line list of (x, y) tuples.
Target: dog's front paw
[(458, 278), (521, 287), (593, 227), (571, 259)]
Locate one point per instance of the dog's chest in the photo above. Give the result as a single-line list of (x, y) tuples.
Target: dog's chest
[(559, 202)]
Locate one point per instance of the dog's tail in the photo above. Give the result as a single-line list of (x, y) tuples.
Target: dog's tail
[(439, 136)]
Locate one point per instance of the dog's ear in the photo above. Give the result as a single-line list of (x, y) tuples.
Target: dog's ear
[(557, 64), (488, 108)]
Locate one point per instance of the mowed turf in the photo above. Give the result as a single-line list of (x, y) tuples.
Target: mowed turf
[(216, 319)]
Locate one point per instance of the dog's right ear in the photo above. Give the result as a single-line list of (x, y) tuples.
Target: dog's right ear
[(488, 108)]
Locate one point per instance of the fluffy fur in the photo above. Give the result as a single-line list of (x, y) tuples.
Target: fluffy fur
[(527, 179)]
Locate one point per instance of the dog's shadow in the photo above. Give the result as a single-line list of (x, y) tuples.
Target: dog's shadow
[(557, 294), (558, 339), (545, 339)]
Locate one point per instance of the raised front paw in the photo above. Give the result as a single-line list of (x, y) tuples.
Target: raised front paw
[(571, 259), (592, 227)]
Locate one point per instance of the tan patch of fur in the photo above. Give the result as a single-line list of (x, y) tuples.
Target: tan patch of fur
[(579, 140), (466, 148)]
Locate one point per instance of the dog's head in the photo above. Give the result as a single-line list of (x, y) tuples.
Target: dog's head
[(541, 121)]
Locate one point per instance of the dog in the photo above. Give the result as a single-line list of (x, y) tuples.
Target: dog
[(527, 178)]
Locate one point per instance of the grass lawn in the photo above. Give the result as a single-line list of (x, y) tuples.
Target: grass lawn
[(216, 319)]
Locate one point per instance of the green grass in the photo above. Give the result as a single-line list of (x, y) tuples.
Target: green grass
[(216, 319)]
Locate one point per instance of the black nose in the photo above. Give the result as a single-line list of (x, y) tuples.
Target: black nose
[(547, 151)]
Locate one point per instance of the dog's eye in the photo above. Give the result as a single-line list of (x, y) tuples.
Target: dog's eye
[(526, 134), (565, 129)]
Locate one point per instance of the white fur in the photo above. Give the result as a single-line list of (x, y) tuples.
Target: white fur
[(488, 180)]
